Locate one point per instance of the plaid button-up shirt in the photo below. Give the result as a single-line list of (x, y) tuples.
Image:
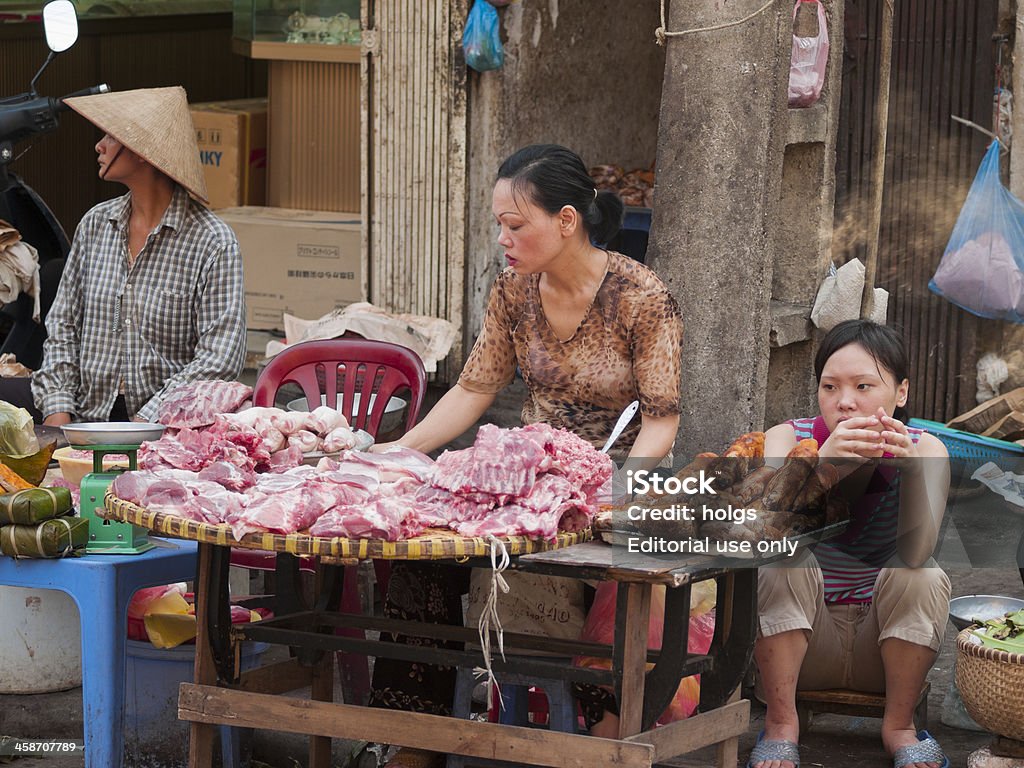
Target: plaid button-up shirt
[(177, 314)]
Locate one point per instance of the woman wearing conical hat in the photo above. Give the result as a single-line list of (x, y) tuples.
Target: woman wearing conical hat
[(152, 294)]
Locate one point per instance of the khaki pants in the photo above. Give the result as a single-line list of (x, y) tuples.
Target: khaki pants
[(843, 651)]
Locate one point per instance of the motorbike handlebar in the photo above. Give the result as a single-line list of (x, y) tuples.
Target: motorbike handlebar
[(101, 88), (28, 115)]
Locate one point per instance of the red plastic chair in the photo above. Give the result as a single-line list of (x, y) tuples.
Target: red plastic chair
[(339, 369), (334, 371)]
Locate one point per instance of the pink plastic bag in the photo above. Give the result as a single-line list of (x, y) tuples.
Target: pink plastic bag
[(600, 628), (808, 62)]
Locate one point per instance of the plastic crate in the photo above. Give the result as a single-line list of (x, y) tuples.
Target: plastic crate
[(632, 239), (976, 449)]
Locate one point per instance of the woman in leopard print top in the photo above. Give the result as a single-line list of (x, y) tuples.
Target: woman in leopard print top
[(590, 330)]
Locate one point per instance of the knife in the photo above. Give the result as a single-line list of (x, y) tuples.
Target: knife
[(621, 424)]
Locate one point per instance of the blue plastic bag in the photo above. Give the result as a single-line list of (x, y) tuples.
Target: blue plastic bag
[(982, 269), (482, 39)]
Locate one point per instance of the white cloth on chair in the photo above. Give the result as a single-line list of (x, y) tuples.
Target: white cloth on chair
[(19, 268)]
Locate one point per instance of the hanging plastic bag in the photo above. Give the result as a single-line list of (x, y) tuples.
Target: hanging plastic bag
[(808, 62), (982, 269), (482, 39)]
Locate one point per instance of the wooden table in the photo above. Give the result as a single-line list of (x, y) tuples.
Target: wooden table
[(219, 695)]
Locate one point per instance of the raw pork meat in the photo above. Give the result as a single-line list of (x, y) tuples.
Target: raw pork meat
[(500, 462), (339, 439), (179, 493), (193, 450), (197, 404), (286, 459), (325, 419), (304, 440), (395, 463), (438, 508), (228, 475), (376, 519), (587, 468), (283, 512), (288, 422)]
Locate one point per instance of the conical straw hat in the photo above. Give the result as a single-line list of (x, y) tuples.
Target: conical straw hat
[(154, 123)]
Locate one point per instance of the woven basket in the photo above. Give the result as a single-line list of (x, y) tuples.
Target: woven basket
[(991, 683), (435, 544)]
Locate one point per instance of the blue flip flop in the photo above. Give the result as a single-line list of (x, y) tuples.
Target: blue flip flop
[(927, 750), (767, 750)]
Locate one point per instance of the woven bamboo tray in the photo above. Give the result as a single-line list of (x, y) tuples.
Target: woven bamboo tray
[(437, 544), (991, 682)]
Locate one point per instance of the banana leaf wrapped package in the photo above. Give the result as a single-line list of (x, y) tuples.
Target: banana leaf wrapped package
[(52, 538), (34, 505)]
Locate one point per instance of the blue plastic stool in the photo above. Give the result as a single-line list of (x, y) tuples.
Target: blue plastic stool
[(102, 586), (515, 694)]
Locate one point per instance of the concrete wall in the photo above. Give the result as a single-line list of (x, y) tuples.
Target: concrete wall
[(583, 73), (744, 197), (803, 235)]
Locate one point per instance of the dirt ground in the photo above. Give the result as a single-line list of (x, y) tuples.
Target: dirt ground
[(833, 740), (977, 551)]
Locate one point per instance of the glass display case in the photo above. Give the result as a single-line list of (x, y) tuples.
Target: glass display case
[(318, 22)]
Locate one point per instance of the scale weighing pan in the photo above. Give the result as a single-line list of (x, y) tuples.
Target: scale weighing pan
[(103, 438), (112, 433)]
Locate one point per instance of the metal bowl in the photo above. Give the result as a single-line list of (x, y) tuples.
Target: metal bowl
[(964, 610), (112, 433)]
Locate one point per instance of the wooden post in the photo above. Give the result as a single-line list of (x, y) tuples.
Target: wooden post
[(867, 305), (634, 657), (201, 735)]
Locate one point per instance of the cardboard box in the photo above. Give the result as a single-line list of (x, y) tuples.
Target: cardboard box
[(984, 416), (306, 263), (232, 138)]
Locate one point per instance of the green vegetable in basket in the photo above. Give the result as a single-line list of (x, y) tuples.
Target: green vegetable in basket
[(1010, 626)]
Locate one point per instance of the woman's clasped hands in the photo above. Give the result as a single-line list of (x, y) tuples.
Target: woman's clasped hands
[(870, 437)]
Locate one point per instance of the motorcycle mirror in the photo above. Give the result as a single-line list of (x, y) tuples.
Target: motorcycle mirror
[(61, 24)]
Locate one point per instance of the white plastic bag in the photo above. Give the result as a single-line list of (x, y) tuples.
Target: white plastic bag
[(808, 62), (840, 294), (839, 297)]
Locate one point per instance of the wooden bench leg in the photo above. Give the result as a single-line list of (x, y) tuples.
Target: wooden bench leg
[(727, 752)]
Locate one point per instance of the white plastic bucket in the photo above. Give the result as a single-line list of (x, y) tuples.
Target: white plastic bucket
[(40, 641)]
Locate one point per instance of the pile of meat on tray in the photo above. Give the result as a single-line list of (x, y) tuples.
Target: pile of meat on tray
[(221, 467), (635, 187), (789, 500)]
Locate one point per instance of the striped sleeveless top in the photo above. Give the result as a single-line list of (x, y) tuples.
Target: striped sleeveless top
[(850, 563)]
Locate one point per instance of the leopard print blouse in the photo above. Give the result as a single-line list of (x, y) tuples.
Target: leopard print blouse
[(627, 347)]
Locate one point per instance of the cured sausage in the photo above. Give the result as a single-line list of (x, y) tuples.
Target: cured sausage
[(836, 509), (783, 488), (752, 487), (814, 494), (743, 456), (701, 462), (750, 445)]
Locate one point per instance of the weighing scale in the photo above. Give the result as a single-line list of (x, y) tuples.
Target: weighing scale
[(103, 439)]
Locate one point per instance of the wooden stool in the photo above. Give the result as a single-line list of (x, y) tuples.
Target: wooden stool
[(841, 701), (514, 687)]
